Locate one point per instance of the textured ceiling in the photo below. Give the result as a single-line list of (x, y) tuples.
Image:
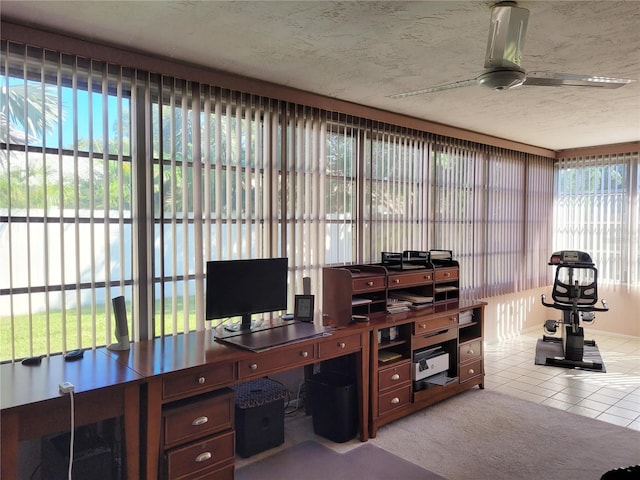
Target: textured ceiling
[(365, 51)]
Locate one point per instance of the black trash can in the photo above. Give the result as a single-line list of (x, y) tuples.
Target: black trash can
[(334, 406), (259, 416)]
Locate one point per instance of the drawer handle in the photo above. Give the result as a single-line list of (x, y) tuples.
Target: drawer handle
[(200, 421), (447, 274), (423, 325), (470, 351), (342, 345), (471, 371), (201, 380), (203, 457), (395, 376), (452, 319), (395, 400), (369, 284), (304, 354), (253, 366), (396, 280)]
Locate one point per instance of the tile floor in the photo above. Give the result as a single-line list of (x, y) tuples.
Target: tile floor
[(613, 396)]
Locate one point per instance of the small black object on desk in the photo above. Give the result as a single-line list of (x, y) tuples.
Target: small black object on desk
[(72, 355), (32, 361)]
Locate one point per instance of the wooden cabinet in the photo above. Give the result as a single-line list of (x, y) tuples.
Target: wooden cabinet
[(197, 436), (353, 290), (446, 278), (394, 386), (438, 323), (394, 390)]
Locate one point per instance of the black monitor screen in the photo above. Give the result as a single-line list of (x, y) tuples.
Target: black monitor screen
[(243, 287)]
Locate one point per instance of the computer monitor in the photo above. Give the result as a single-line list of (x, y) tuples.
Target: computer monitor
[(245, 287)]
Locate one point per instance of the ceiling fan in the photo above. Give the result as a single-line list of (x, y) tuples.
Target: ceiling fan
[(502, 70)]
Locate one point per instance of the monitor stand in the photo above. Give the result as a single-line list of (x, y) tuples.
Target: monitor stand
[(245, 326), (249, 326)]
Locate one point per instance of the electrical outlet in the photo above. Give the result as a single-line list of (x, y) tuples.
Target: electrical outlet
[(66, 387)]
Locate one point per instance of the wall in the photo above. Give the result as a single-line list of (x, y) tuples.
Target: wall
[(508, 315)]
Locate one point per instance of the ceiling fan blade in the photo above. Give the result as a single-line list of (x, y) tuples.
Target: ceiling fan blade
[(437, 88), (549, 79), (506, 36)]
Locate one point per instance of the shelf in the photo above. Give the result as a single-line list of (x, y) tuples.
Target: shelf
[(468, 324), (387, 358), (383, 345)]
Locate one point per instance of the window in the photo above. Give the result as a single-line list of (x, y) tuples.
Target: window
[(116, 181), (395, 193), (596, 211), (492, 208), (65, 200)]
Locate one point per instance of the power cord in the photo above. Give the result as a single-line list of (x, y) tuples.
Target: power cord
[(68, 387), (73, 431)]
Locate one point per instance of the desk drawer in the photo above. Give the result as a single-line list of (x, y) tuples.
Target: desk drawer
[(433, 338), (394, 375), (199, 379), (410, 279), (338, 346), (223, 473), (198, 458), (423, 326), (264, 363), (367, 284), (470, 370), (196, 419), (394, 399), (470, 351), (446, 274)]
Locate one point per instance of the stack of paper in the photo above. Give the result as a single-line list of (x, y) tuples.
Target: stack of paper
[(411, 297)]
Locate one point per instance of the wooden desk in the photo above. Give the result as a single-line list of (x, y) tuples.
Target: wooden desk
[(33, 407), (185, 366)]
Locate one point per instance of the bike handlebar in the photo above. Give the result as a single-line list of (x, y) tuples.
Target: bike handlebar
[(570, 306)]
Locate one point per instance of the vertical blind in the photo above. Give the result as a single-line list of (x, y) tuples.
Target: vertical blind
[(493, 209), (597, 211), (65, 200), (123, 182), (396, 182)]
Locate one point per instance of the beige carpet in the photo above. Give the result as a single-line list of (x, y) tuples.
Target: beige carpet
[(482, 434), (312, 461)]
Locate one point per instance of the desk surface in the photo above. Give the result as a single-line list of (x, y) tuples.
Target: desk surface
[(23, 385), (173, 353)]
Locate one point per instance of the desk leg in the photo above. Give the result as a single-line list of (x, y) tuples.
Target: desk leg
[(152, 426), (308, 373), (362, 365), (9, 435), (132, 430)]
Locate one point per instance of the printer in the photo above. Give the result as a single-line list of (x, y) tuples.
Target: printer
[(429, 365)]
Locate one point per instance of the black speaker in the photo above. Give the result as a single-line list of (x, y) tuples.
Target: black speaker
[(306, 285)]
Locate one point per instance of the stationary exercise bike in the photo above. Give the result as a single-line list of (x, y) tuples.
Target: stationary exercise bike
[(575, 293)]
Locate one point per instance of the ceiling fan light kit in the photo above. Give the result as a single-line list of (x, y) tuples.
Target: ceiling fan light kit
[(503, 58)]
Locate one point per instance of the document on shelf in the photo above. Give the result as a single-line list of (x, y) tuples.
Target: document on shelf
[(446, 288), (359, 301), (411, 297)]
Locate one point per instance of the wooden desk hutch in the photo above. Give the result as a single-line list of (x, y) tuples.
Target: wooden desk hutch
[(452, 325)]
